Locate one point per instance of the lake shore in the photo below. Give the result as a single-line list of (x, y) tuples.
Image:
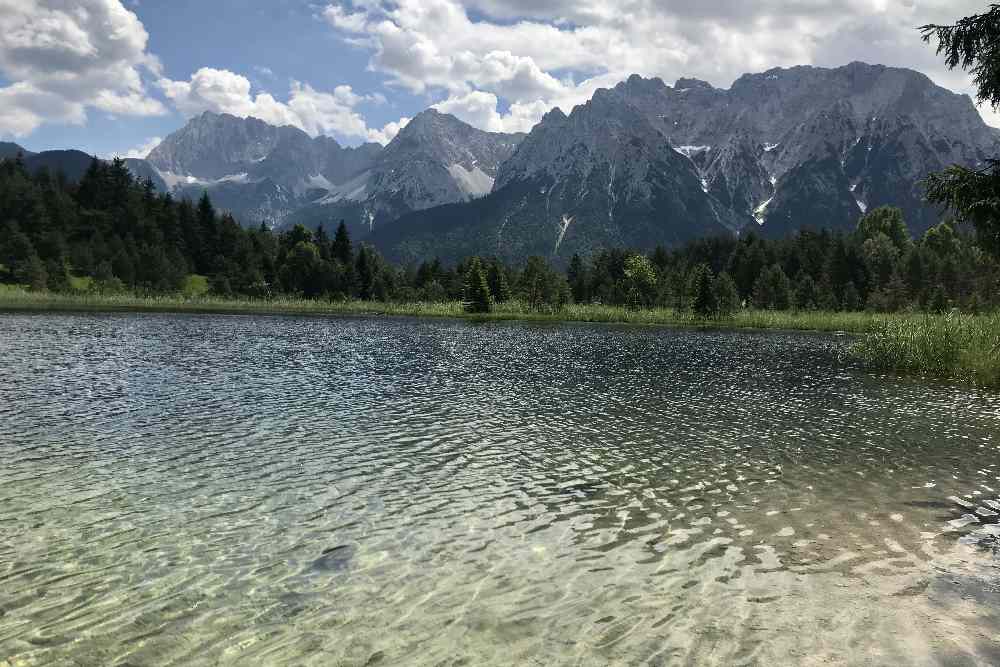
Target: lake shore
[(16, 299), (963, 348)]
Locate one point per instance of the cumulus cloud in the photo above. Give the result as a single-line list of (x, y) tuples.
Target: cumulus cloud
[(388, 132), (313, 111), (531, 55), (65, 57)]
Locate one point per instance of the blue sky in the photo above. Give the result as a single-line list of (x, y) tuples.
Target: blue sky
[(112, 76)]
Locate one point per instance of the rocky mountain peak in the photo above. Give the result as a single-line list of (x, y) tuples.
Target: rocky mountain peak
[(689, 84)]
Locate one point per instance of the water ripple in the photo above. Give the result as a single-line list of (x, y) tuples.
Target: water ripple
[(183, 490)]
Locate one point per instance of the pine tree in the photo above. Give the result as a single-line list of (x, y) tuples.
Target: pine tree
[(342, 251), (938, 302), (772, 290), (477, 297), (850, 300), (365, 271), (703, 301), (727, 297), (973, 194), (577, 277), (497, 279), (806, 293), (322, 242)]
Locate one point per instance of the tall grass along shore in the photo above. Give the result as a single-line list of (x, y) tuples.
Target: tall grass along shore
[(953, 346)]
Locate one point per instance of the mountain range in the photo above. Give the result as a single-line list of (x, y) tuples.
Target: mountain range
[(641, 164)]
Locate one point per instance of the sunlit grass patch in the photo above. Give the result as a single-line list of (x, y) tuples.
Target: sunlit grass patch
[(957, 346)]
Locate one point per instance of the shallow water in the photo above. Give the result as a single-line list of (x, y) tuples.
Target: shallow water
[(192, 490)]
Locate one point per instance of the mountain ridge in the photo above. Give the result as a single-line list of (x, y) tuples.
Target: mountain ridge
[(640, 162)]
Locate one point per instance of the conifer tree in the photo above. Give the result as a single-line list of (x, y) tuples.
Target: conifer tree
[(498, 283), (476, 297), (365, 271), (850, 300), (702, 297), (806, 293), (342, 251), (973, 194), (727, 297), (576, 274), (322, 242)]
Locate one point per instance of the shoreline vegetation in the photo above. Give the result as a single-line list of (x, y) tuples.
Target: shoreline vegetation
[(112, 243), (952, 346)]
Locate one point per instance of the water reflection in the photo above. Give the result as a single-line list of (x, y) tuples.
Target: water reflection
[(204, 490)]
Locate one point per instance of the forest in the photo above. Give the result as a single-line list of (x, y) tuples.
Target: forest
[(110, 233)]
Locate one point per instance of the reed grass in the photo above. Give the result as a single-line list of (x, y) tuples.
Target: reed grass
[(952, 346)]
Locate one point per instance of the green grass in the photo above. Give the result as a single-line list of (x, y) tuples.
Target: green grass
[(958, 347), (194, 286), (81, 283), (19, 299)]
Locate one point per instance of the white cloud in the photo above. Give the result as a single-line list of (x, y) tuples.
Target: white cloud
[(388, 132), (143, 149), (63, 57), (347, 21), (536, 54), (315, 112)]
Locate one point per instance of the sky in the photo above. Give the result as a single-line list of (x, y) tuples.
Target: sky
[(113, 77)]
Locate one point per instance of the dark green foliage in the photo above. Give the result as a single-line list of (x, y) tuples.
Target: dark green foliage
[(126, 237), (772, 290), (806, 293), (476, 293), (890, 298), (577, 276), (33, 274), (703, 301), (850, 300), (541, 287), (640, 281), (341, 250), (888, 221), (727, 297), (938, 302), (498, 282), (366, 269), (972, 44)]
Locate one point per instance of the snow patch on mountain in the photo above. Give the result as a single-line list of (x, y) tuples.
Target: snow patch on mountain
[(355, 189), (691, 151), (473, 182), (318, 182), (175, 181), (760, 211)]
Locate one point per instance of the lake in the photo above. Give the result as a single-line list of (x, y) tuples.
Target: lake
[(202, 490)]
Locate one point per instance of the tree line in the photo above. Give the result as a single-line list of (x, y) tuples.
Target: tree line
[(112, 233)]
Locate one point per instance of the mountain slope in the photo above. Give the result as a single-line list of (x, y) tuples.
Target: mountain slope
[(889, 127), (10, 150), (646, 163), (436, 159), (281, 175), (603, 176)]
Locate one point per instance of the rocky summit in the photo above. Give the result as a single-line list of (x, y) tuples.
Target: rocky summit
[(641, 164)]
